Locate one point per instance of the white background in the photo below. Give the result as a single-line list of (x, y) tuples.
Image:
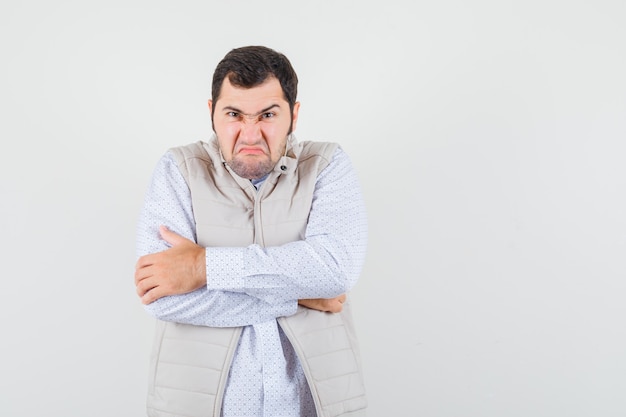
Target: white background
[(490, 140)]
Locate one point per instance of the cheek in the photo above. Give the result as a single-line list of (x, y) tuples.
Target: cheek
[(275, 137), (229, 130), (227, 137)]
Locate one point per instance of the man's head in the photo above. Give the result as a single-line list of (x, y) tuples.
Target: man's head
[(253, 108)]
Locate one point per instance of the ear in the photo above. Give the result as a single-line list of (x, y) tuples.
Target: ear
[(210, 103), (296, 109)]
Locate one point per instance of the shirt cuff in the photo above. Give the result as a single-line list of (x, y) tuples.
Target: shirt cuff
[(225, 269)]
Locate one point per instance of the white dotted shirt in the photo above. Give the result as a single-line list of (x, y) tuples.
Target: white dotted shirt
[(252, 286)]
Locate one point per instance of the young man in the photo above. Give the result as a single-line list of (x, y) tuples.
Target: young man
[(247, 245)]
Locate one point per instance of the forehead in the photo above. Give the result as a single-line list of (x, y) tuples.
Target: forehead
[(251, 99)]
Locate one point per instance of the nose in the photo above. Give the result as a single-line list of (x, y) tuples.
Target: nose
[(250, 131)]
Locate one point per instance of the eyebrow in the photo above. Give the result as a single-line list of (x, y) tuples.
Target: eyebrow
[(235, 109)]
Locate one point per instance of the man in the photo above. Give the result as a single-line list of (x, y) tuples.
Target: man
[(247, 245)]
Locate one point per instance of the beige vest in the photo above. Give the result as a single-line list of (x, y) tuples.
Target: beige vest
[(190, 364)]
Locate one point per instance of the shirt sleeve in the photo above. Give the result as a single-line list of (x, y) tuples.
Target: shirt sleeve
[(168, 202), (325, 264)]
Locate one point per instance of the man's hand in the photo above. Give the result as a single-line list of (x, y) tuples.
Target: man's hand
[(331, 305), (177, 270)]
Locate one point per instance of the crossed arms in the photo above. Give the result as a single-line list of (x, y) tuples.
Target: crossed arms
[(182, 269), (180, 281)]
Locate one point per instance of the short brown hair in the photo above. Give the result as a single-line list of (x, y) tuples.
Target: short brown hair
[(250, 66)]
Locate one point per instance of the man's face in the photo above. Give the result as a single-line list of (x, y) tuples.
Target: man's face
[(252, 125)]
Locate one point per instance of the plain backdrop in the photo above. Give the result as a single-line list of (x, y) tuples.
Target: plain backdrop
[(490, 140)]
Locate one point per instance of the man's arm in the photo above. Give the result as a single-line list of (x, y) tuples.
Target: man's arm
[(326, 264), (168, 202), (331, 305), (183, 270)]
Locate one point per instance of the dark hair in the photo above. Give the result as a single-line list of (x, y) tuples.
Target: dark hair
[(250, 66)]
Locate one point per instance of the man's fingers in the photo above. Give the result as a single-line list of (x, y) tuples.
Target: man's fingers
[(337, 305), (145, 285), (151, 296), (145, 261), (149, 291), (142, 271), (170, 237)]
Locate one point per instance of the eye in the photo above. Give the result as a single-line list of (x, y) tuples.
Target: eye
[(268, 115), (232, 114)]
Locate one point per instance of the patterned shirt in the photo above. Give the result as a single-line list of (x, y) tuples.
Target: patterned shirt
[(252, 286)]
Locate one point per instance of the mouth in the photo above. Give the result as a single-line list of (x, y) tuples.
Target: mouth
[(251, 151)]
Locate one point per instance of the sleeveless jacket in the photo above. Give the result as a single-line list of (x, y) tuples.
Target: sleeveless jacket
[(190, 364)]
